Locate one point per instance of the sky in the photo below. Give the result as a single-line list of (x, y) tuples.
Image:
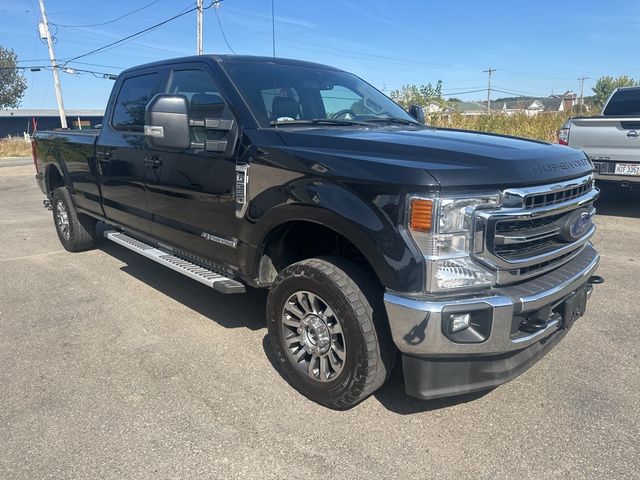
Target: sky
[(536, 47)]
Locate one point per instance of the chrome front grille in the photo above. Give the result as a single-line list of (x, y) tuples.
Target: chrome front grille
[(544, 199), (529, 234)]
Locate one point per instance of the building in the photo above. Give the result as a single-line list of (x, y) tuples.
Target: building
[(561, 103), (18, 122), (529, 107), (470, 108), (534, 106)]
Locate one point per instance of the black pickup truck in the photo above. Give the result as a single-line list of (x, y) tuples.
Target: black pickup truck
[(465, 254)]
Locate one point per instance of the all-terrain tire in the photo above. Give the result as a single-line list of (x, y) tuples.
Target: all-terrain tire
[(355, 296), (76, 231)]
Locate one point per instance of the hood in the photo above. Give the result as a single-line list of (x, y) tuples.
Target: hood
[(454, 158)]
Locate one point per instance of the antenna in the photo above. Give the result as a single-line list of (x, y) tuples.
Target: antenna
[(273, 27)]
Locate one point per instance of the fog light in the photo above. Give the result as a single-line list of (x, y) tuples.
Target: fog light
[(460, 322)]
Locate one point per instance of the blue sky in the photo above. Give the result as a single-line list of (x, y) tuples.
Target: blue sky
[(536, 47)]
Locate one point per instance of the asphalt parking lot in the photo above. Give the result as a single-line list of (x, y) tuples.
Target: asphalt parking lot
[(113, 367)]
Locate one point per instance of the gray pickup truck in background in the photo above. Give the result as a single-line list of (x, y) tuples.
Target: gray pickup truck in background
[(611, 140)]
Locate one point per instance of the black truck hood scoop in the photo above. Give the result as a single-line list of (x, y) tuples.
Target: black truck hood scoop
[(454, 158)]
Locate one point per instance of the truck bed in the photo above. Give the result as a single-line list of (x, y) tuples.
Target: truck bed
[(71, 152), (612, 144)]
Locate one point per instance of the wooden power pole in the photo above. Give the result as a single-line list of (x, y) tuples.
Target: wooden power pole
[(490, 71), (199, 28), (45, 33), (581, 80)]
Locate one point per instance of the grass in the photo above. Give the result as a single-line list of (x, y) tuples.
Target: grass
[(539, 127), (14, 147)]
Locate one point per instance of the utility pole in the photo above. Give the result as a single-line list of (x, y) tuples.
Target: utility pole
[(581, 80), (44, 31), (199, 27), (490, 71)]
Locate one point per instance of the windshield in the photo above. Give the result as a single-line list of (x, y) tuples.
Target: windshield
[(278, 94)]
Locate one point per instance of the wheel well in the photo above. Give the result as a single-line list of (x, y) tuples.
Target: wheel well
[(300, 240), (53, 179)]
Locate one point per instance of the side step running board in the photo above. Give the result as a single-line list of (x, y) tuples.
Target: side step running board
[(203, 275)]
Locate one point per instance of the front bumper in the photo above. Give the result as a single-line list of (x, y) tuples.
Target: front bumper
[(436, 366)]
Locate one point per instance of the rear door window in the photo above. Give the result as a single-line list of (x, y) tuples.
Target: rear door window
[(132, 100)]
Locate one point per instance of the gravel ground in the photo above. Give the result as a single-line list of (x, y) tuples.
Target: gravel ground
[(113, 367)]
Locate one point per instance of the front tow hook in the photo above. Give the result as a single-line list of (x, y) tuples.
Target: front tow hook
[(593, 280)]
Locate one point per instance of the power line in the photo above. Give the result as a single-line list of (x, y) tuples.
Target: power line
[(137, 37), (138, 33), (521, 94), (108, 21), (68, 70), (224, 36), (448, 94)]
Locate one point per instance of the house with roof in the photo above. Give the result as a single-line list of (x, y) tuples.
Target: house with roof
[(528, 106), (469, 108), (560, 103)]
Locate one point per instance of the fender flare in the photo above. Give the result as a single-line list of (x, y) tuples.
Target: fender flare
[(49, 168), (338, 208)]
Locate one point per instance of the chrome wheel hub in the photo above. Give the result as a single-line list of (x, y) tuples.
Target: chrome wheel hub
[(313, 336), (62, 220)]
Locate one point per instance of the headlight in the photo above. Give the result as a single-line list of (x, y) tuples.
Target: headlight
[(441, 228)]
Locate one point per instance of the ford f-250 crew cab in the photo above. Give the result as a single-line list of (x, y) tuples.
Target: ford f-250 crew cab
[(612, 139), (468, 253)]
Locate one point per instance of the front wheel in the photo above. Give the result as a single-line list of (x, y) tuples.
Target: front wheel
[(328, 328), (76, 231)]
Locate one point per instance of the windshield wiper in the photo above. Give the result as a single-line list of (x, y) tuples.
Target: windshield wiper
[(400, 121), (318, 121)]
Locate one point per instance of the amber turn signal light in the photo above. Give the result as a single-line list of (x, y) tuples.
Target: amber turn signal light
[(421, 217)]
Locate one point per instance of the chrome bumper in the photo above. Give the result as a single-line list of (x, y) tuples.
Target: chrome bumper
[(416, 323)]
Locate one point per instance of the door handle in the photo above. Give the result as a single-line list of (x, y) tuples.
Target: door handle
[(153, 162), (104, 156)]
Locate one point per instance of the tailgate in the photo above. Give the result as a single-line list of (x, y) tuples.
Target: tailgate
[(607, 138)]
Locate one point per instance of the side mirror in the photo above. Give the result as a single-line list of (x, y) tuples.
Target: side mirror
[(166, 122), (417, 112)]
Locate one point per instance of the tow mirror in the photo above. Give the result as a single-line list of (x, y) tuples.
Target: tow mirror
[(166, 122), (417, 112)]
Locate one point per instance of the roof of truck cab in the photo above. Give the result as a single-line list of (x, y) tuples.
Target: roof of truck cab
[(222, 59)]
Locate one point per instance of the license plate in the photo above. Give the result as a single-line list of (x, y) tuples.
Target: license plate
[(574, 307), (627, 169)]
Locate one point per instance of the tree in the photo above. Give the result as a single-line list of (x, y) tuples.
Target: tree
[(421, 95), (606, 85), (12, 82)]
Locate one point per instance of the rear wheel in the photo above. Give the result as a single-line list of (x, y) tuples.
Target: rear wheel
[(328, 328), (76, 231)]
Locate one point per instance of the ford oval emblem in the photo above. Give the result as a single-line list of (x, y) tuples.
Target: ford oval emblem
[(580, 225), (632, 134)]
